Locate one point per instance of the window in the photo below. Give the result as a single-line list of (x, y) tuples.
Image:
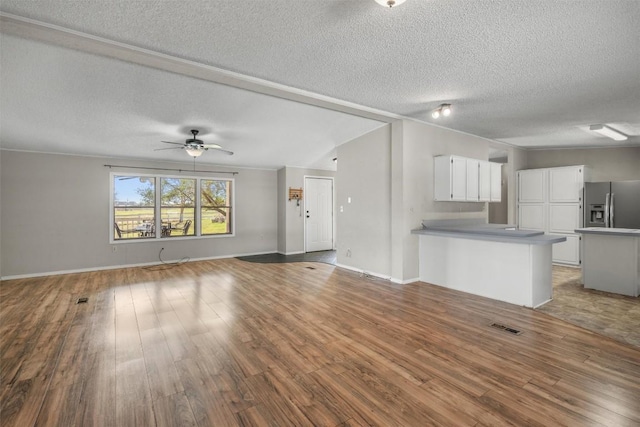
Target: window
[(157, 207), (133, 207), (177, 209), (215, 207)]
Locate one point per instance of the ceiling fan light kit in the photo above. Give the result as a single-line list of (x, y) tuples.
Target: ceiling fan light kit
[(194, 151), (194, 146), (442, 110), (609, 132)]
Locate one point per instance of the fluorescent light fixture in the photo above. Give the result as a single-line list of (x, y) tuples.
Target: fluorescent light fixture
[(608, 132), (390, 3), (194, 151)]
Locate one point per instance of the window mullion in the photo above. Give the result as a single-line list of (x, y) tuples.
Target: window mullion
[(157, 219), (196, 210)]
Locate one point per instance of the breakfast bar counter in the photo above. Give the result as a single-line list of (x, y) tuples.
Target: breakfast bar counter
[(491, 260)]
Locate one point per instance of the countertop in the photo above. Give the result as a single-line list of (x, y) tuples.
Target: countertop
[(630, 232), (476, 230)]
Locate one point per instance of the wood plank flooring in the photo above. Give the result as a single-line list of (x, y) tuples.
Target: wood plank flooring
[(227, 342)]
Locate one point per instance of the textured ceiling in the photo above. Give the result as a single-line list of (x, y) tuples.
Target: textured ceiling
[(529, 73)]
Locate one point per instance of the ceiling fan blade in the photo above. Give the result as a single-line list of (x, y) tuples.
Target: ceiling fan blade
[(223, 150), (176, 143), (170, 148), (211, 146)]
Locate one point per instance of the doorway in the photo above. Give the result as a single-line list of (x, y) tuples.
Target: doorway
[(318, 223)]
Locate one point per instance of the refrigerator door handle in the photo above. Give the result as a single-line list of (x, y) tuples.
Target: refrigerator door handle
[(611, 213), (606, 210)]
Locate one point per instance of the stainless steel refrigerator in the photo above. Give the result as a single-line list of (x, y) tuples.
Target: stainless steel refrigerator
[(612, 204)]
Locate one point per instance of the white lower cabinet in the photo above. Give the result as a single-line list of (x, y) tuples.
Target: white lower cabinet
[(567, 252), (531, 217), (564, 218)]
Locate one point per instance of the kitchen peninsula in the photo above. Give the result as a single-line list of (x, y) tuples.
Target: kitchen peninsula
[(491, 260), (611, 260)]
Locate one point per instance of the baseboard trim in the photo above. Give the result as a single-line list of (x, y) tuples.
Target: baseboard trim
[(290, 253), (361, 271), (405, 282), (543, 303), (115, 267)]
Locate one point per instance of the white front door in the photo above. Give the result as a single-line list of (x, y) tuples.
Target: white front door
[(318, 196)]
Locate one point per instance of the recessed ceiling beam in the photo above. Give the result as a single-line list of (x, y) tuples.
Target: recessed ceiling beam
[(48, 33)]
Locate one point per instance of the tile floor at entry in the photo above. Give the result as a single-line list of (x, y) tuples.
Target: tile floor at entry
[(613, 315)]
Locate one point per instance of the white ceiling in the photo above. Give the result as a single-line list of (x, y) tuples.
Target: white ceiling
[(528, 73)]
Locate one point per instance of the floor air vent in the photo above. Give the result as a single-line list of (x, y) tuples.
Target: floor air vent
[(82, 300), (506, 328), (311, 268)]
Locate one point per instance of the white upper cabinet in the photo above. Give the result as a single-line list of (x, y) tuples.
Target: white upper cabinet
[(472, 180), (484, 181), (532, 186), (459, 179), (496, 182), (566, 184), (450, 178)]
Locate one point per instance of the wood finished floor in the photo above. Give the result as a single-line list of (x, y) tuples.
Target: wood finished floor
[(616, 316), (226, 342)]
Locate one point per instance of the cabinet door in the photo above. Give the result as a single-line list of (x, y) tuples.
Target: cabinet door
[(566, 184), (484, 181), (458, 178), (496, 182), (531, 216), (564, 218), (531, 186), (472, 180), (567, 252)]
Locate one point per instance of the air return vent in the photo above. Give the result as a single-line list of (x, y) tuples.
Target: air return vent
[(82, 300), (505, 328)]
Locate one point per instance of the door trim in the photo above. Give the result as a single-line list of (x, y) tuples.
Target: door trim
[(333, 208)]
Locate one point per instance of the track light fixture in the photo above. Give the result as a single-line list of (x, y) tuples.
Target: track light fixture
[(442, 110)]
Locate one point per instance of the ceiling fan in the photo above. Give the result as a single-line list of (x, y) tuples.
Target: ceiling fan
[(194, 147)]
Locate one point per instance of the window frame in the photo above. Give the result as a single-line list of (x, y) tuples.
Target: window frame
[(157, 208)]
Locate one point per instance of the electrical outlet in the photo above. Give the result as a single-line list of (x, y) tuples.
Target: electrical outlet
[(114, 248), (348, 253)]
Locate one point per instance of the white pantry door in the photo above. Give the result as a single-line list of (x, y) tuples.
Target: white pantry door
[(318, 196)]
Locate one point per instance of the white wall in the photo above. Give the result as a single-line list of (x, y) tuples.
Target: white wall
[(364, 225), (603, 164), (290, 215), (55, 216)]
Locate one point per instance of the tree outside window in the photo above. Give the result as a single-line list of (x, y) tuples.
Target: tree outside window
[(215, 207), (177, 208)]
